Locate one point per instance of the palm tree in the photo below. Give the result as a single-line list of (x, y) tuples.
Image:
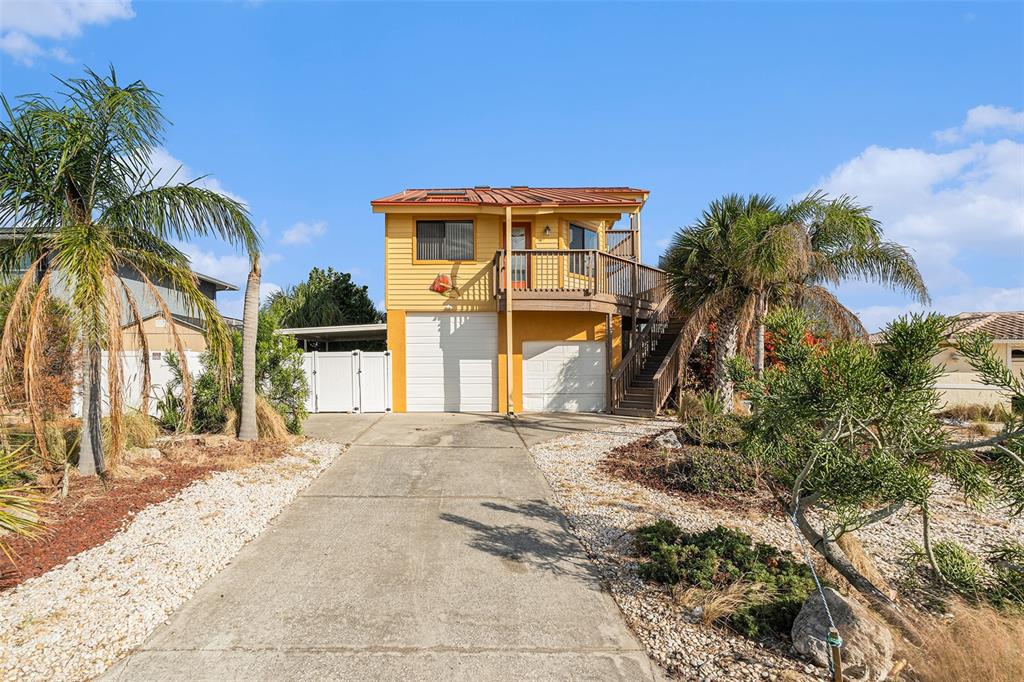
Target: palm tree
[(247, 427), (77, 190), (749, 254), (701, 279)]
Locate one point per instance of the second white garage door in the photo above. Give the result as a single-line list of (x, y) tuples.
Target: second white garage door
[(564, 376), (451, 362)]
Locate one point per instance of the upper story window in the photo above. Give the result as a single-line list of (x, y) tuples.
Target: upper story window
[(582, 238), (444, 240)]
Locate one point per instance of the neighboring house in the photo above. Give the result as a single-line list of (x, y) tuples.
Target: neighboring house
[(959, 385), (160, 336), (578, 293)]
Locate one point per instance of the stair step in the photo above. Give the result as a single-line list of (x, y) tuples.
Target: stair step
[(635, 405), (631, 412)]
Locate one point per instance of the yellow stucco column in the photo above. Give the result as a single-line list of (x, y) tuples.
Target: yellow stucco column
[(509, 374), (396, 344)]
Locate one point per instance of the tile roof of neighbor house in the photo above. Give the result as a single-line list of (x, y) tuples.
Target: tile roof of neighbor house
[(515, 196), (1005, 326), (1002, 326)]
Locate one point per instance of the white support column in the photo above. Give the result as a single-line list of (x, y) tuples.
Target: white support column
[(636, 236)]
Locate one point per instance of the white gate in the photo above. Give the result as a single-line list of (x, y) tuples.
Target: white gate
[(351, 381)]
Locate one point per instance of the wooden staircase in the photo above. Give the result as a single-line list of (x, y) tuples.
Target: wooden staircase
[(645, 377)]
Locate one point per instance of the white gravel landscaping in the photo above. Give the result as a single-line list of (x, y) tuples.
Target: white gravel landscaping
[(602, 509), (74, 621)]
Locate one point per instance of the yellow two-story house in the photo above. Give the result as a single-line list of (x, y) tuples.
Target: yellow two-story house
[(523, 299)]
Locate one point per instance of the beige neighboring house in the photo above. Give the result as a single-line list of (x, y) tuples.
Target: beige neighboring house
[(959, 385), (161, 335), (158, 332)]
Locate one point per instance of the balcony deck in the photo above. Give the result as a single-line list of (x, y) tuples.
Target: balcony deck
[(580, 280)]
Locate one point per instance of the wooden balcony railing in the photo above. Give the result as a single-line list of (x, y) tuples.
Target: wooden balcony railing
[(592, 273), (622, 243)]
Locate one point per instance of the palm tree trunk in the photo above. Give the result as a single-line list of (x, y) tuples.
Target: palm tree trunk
[(90, 450), (759, 312), (724, 349), (248, 429)]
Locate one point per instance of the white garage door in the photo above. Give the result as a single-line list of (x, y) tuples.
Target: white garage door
[(564, 376), (451, 362)]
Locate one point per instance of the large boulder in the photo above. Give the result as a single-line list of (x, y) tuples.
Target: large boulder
[(867, 643), (668, 439)]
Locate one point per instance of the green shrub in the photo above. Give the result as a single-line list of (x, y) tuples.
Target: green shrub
[(1007, 562), (699, 469), (958, 566), (703, 420), (661, 532), (280, 379), (720, 557)]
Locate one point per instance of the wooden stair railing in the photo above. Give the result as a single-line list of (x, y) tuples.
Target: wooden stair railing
[(666, 376), (636, 358)]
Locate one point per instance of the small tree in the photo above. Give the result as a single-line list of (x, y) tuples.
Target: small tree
[(848, 436), (279, 379), (326, 298)]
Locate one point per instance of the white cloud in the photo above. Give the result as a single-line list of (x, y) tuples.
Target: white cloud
[(24, 23), (233, 305), (231, 268), (303, 233), (959, 211), (940, 205), (170, 169), (983, 119)]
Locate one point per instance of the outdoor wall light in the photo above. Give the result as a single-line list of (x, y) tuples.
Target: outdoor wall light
[(547, 230)]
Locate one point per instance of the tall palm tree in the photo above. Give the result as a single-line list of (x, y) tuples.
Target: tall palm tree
[(702, 279), (248, 428), (77, 190), (748, 254)]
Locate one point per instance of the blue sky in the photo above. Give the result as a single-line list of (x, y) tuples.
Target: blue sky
[(307, 111)]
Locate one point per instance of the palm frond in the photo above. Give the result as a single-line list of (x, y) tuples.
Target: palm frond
[(885, 263), (823, 304), (183, 211), (115, 364), (140, 332), (33, 357)]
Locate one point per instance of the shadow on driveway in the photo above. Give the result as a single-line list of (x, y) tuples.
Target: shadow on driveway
[(542, 541)]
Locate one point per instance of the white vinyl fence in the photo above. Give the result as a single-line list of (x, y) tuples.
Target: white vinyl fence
[(131, 365), (348, 381)]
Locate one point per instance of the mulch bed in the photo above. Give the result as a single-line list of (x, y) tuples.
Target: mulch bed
[(96, 509), (642, 462)]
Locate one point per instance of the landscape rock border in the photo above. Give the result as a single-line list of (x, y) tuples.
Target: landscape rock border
[(74, 621), (602, 510)]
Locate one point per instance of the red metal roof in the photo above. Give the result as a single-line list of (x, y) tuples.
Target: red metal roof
[(514, 196)]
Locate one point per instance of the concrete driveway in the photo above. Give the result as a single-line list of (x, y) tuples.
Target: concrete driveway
[(430, 550)]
